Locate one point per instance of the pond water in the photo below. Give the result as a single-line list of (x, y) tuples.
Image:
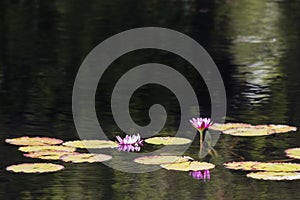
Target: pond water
[(255, 45)]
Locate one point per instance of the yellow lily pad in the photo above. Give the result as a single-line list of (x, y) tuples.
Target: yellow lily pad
[(263, 166), (33, 141), (35, 168), (240, 129), (188, 166), (44, 148), (293, 153), (85, 157), (158, 160), (246, 165), (48, 154), (91, 144), (275, 176), (168, 140), (223, 127), (249, 131)]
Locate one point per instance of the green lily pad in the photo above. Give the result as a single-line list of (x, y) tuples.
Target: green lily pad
[(188, 166), (275, 176), (91, 144), (263, 166), (293, 153), (33, 141), (223, 127), (34, 168), (85, 157), (168, 140), (157, 160), (48, 154), (44, 148)]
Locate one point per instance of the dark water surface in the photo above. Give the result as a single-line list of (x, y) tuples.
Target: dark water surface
[(255, 45)]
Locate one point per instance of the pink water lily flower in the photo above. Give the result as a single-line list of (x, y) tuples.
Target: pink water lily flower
[(201, 175), (134, 140), (129, 147), (201, 123)]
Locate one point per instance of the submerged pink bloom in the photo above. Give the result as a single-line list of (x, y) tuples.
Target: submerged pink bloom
[(134, 140), (201, 123), (201, 175)]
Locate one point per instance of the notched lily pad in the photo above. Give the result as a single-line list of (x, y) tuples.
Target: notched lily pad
[(45, 148), (249, 131), (48, 154), (293, 153), (263, 166), (275, 176), (91, 144), (188, 166), (158, 160), (85, 157), (33, 141), (34, 168), (168, 140)]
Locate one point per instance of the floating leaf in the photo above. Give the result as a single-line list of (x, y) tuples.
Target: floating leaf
[(263, 166), (275, 176), (35, 167), (33, 141), (293, 153), (157, 160), (48, 154), (168, 140), (85, 157), (249, 131), (188, 166), (44, 148), (240, 129), (246, 165), (91, 144), (223, 127)]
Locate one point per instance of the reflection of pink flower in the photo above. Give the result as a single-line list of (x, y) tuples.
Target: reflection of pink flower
[(201, 175), (130, 140), (129, 147), (201, 123)]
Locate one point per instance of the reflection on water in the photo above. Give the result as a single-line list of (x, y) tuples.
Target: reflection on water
[(254, 43)]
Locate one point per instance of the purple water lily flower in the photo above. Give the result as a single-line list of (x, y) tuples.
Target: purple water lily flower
[(201, 175), (129, 147), (201, 123), (134, 140)]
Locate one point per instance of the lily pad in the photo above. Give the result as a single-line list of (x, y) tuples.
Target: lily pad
[(48, 154), (168, 140), (246, 165), (158, 160), (240, 129), (44, 148), (293, 153), (249, 131), (223, 127), (91, 144), (85, 157), (263, 166), (188, 166), (275, 176), (35, 168), (33, 141)]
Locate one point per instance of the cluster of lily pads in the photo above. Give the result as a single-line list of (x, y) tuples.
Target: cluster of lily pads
[(263, 170), (55, 149)]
